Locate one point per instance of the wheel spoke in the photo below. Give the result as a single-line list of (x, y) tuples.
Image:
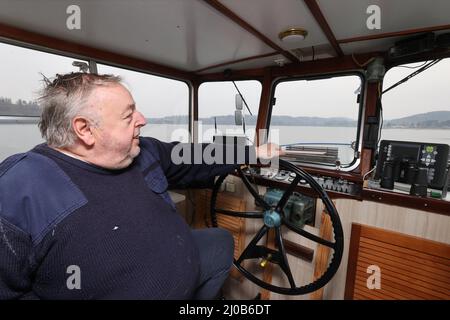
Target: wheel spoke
[(284, 199), (246, 254), (243, 214), (254, 193), (309, 235), (284, 264)]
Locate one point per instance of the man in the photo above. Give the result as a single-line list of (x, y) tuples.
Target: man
[(87, 215)]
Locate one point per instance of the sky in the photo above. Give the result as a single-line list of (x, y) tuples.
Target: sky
[(20, 77)]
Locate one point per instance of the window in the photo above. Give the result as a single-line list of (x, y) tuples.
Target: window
[(318, 118), (419, 109), (163, 102), (217, 106), (20, 78)]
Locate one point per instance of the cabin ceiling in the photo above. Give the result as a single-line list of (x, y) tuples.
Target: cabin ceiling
[(196, 36)]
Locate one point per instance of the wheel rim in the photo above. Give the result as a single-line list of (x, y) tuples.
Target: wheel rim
[(273, 218)]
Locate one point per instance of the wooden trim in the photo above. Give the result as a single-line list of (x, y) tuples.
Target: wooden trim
[(394, 34), (320, 18), (264, 103), (248, 74), (245, 25), (329, 65), (53, 43), (297, 250), (322, 253), (370, 111), (405, 200), (237, 61), (352, 256)]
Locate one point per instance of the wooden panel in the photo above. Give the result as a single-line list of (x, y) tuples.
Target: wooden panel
[(323, 253), (235, 225), (410, 267)]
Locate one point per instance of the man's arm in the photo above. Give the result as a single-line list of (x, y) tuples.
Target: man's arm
[(196, 165)]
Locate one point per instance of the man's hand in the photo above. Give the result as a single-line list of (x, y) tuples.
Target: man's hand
[(269, 151)]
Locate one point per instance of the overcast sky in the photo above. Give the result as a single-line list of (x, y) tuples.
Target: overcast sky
[(20, 79)]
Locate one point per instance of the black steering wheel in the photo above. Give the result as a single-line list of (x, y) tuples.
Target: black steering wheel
[(274, 218)]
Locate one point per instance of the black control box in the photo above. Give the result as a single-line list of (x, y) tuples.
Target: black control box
[(400, 161)]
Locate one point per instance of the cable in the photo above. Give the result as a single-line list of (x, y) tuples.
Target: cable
[(413, 67), (415, 73), (368, 172)]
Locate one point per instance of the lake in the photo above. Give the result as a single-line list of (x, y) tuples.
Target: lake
[(15, 138)]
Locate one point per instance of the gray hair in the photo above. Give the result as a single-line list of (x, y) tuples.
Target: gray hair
[(65, 98)]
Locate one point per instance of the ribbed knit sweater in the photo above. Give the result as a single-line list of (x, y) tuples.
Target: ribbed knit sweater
[(73, 230)]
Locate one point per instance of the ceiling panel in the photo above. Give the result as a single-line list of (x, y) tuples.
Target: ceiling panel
[(347, 18), (186, 34), (192, 35), (271, 17)]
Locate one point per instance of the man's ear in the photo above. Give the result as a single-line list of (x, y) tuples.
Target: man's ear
[(83, 130)]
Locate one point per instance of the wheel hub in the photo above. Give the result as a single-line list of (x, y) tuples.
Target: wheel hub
[(272, 218)]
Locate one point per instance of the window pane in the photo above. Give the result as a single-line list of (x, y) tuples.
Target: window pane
[(217, 104), (318, 113), (419, 109), (163, 102), (20, 78)]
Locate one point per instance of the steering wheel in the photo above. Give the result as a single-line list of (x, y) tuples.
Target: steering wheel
[(273, 218)]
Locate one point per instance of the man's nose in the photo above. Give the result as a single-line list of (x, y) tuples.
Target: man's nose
[(141, 121)]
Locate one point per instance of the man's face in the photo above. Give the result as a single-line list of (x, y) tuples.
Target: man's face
[(117, 135)]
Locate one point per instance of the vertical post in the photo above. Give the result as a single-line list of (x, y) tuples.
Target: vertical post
[(264, 105)]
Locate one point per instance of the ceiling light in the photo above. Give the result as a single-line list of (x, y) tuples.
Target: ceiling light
[(293, 34)]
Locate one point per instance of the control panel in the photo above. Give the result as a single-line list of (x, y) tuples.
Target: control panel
[(327, 182)]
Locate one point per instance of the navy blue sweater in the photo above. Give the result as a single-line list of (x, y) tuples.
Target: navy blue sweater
[(119, 228)]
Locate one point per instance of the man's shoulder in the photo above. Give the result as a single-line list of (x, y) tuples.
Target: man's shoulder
[(35, 190), (150, 152), (23, 164)]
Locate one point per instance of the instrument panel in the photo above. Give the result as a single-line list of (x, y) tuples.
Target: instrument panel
[(328, 183)]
